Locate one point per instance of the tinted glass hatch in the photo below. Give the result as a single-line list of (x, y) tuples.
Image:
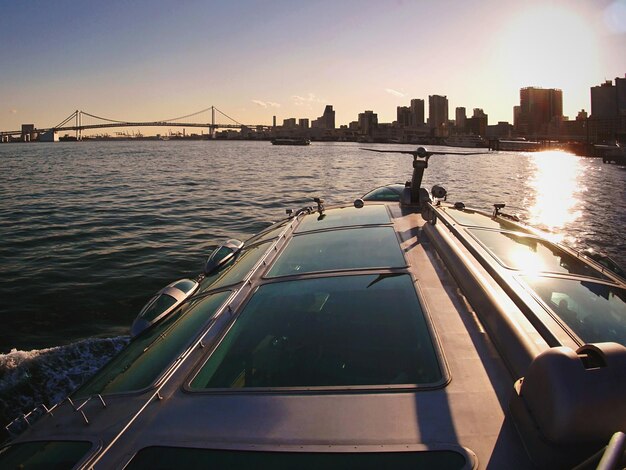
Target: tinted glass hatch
[(335, 332)]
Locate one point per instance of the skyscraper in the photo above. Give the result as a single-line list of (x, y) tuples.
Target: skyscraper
[(604, 100), (368, 121), (438, 113), (417, 113), (608, 100), (460, 118), (403, 116), (539, 107), (327, 120)]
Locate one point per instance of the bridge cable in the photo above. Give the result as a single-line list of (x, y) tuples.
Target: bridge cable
[(235, 121), (188, 115), (66, 120), (105, 119)]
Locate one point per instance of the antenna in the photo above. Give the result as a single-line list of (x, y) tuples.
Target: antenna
[(420, 163)]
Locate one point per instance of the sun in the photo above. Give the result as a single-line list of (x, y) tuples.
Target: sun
[(548, 46)]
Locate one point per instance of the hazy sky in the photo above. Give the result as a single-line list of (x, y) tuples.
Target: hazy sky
[(150, 60)]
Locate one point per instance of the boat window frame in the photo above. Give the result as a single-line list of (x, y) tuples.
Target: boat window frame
[(471, 459), (96, 446), (544, 305), (296, 229), (436, 342), (493, 256), (406, 265), (189, 346)]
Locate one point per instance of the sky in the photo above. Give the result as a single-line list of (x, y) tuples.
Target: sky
[(145, 60)]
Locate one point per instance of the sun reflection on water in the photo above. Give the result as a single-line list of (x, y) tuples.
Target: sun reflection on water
[(556, 183)]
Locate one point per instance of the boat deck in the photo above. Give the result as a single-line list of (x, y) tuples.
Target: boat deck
[(306, 349)]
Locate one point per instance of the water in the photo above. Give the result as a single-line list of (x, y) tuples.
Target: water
[(89, 230)]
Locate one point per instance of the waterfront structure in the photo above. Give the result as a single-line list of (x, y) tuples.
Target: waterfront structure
[(326, 120), (417, 113), (502, 130), (438, 115), (460, 119), (539, 109)]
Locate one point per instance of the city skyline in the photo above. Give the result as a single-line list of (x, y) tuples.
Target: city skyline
[(153, 60)]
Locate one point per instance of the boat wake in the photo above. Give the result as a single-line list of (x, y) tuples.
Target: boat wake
[(29, 378)]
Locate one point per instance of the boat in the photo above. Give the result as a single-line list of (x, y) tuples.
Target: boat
[(286, 141), (466, 140), (399, 330), (611, 153)]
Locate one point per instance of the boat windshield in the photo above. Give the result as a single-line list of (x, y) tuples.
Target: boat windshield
[(340, 249), (477, 219), (385, 193), (595, 312), (347, 331), (345, 217), (531, 254)]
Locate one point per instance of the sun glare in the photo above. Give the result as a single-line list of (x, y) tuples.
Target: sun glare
[(557, 191), (548, 46)]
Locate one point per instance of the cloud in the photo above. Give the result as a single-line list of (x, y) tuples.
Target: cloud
[(266, 104), (393, 92), (13, 111), (307, 100)]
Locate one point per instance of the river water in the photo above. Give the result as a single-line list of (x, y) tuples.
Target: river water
[(88, 230)]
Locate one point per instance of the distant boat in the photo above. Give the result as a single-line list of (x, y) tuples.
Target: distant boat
[(518, 145), (611, 153), (285, 141), (472, 141)]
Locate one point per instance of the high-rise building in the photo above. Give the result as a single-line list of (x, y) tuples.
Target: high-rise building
[(303, 123), (604, 100), (289, 123), (327, 120), (539, 108), (608, 111), (477, 124), (403, 114), (417, 112), (608, 100), (620, 85), (438, 114), (517, 112), (368, 121), (460, 118)]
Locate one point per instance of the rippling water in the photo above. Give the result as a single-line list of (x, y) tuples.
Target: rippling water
[(89, 230)]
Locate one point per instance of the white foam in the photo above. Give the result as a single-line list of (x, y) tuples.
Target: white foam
[(29, 378)]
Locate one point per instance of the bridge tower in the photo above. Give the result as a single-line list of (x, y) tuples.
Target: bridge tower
[(212, 130), (79, 123)]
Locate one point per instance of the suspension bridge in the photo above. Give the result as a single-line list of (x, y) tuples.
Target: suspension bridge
[(80, 121)]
